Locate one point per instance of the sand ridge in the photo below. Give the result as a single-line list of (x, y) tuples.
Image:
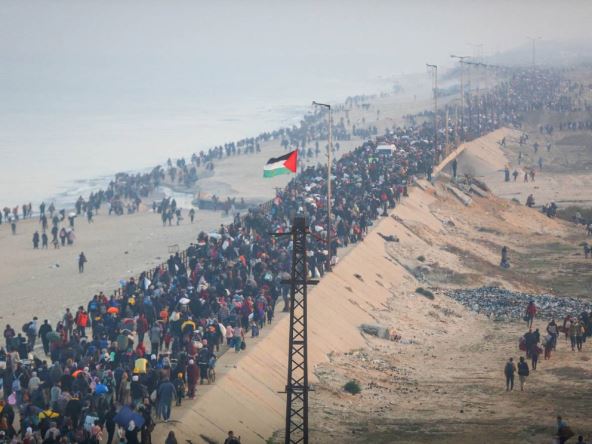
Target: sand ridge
[(448, 354)]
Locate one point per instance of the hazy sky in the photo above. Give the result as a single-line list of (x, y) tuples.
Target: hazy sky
[(93, 87), (244, 32)]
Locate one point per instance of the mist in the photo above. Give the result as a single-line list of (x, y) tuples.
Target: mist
[(90, 88)]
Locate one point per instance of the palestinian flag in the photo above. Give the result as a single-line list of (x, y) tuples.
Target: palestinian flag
[(285, 164)]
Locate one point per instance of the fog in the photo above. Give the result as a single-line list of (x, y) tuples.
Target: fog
[(91, 87), (166, 41)]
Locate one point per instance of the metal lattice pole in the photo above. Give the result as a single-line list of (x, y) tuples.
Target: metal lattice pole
[(297, 386)]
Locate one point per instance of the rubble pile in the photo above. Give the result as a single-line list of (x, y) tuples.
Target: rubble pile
[(500, 304)]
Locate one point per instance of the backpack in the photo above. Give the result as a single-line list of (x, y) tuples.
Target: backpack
[(509, 370), (25, 327)]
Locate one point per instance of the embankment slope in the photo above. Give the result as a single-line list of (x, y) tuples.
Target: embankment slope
[(443, 380)]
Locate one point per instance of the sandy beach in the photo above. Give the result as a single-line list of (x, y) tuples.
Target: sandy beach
[(117, 247)]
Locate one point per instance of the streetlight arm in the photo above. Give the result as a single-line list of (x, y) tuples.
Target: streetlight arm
[(321, 104)]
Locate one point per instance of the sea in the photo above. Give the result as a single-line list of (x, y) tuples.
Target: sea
[(58, 142), (89, 89)]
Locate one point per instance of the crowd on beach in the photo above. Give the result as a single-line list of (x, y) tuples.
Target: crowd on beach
[(116, 365)]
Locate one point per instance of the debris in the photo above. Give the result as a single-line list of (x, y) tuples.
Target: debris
[(464, 198), (478, 191), (500, 304), (427, 293), (381, 331), (480, 184), (389, 238)]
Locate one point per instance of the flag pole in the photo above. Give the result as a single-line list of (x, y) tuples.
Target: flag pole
[(329, 167)]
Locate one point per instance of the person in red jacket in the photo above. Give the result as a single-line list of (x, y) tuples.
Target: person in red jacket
[(81, 321), (192, 378), (141, 327)]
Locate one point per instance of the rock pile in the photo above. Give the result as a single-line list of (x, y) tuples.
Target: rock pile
[(500, 304)]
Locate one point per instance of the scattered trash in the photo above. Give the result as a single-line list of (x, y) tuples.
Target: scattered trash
[(427, 293), (389, 238), (500, 304), (381, 331)]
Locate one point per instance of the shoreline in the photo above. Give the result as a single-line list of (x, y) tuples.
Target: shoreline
[(70, 186)]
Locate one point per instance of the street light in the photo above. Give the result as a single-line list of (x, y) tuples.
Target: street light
[(533, 39), (435, 69), (478, 100), (329, 165), (461, 59)]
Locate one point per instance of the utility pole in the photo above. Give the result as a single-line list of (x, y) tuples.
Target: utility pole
[(461, 59), (297, 389), (533, 39), (456, 136), (446, 133), (477, 98), (435, 70), (329, 168)]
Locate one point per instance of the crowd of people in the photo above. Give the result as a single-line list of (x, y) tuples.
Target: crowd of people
[(576, 328), (123, 359)]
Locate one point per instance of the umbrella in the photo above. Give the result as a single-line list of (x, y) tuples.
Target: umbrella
[(113, 310), (76, 373), (184, 301), (100, 389), (215, 235), (125, 415)]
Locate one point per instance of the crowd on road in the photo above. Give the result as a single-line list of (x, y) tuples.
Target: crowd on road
[(122, 360)]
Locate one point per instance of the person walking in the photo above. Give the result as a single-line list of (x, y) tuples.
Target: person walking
[(81, 261), (564, 432), (43, 331), (166, 393), (523, 372), (573, 333), (553, 331), (531, 311), (192, 378), (580, 330), (509, 371), (171, 439), (231, 439), (535, 351)]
